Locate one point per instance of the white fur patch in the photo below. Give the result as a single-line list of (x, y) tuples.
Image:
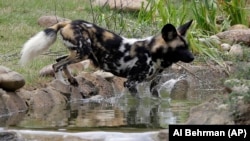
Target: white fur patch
[(131, 41), (35, 46), (128, 64), (88, 25), (68, 44)]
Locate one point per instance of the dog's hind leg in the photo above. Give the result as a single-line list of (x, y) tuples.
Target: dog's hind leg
[(80, 49), (62, 64), (61, 58), (58, 71)]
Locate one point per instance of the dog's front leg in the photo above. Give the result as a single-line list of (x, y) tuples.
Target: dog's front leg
[(62, 64), (71, 79), (131, 86), (153, 86)]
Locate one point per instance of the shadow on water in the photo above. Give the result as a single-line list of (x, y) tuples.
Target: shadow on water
[(123, 113)]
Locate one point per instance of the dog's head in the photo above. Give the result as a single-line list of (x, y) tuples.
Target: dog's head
[(177, 47)]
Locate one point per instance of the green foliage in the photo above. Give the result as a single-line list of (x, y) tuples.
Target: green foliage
[(242, 91), (205, 15), (164, 11), (236, 10), (110, 19), (239, 81)]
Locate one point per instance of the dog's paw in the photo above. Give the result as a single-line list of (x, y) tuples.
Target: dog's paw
[(73, 82), (133, 91), (155, 93)]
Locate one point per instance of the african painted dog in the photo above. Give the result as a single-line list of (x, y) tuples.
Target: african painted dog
[(137, 60)]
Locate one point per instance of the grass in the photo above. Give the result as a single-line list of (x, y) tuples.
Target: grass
[(18, 22)]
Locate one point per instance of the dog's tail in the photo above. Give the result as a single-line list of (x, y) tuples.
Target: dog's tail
[(40, 42)]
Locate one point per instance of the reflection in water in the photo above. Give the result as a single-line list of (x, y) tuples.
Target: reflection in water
[(124, 113), (118, 113)]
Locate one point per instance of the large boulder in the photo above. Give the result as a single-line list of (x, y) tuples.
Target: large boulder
[(235, 36), (47, 96), (127, 5), (10, 80), (47, 21)]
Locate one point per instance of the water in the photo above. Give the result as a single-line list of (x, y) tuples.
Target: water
[(120, 113), (123, 113)]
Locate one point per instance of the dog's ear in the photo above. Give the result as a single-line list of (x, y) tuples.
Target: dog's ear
[(183, 28), (169, 32)]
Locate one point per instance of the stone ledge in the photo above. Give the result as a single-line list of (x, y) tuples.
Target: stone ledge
[(88, 136)]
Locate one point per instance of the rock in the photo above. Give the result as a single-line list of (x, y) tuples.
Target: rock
[(236, 50), (90, 83), (238, 26), (106, 75), (3, 108), (91, 136), (47, 21), (10, 136), (179, 90), (163, 135), (74, 68), (225, 47), (47, 71), (235, 36), (10, 102), (85, 89), (118, 84), (104, 86), (11, 119), (241, 112), (127, 5), (176, 89), (10, 80), (215, 39), (42, 97), (213, 111)]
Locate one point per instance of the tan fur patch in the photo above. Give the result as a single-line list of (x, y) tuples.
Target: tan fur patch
[(159, 42), (72, 54), (92, 30), (60, 25), (132, 51), (85, 35), (175, 43), (67, 32), (133, 48), (107, 36)]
